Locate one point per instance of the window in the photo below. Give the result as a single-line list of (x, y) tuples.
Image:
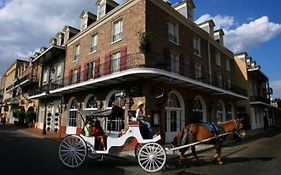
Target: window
[(74, 76), (94, 43), (198, 71), (92, 103), (76, 52), (117, 31), (219, 80), (228, 83), (115, 62), (218, 58), (173, 32), (101, 10), (84, 22), (196, 46), (91, 72), (197, 110), (175, 62), (45, 77), (227, 64), (73, 113), (229, 111), (59, 71)]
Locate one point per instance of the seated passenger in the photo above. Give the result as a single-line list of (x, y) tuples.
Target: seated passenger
[(100, 135), (88, 129)]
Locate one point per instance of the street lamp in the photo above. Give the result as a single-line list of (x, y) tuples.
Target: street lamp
[(44, 124)]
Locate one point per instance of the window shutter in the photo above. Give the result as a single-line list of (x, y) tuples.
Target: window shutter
[(85, 72), (123, 59), (106, 70), (167, 59), (70, 77), (78, 74), (97, 67)]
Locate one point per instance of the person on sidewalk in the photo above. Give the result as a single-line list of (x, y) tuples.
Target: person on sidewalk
[(140, 118)]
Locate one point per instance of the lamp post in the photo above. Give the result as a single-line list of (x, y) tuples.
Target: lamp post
[(44, 124)]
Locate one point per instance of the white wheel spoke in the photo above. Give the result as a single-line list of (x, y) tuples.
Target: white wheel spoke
[(72, 151)]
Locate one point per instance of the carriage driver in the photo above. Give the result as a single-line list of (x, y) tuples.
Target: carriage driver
[(140, 118)]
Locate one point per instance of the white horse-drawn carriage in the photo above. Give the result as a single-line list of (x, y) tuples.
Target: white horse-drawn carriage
[(74, 149)]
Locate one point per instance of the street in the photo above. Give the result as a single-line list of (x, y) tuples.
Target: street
[(24, 154)]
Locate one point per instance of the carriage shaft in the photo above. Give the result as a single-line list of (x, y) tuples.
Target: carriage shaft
[(196, 143)]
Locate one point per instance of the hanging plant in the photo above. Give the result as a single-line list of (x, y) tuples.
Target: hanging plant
[(49, 114), (144, 43), (57, 114), (48, 119)]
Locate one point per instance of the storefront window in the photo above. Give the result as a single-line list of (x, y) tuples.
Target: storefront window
[(73, 113)]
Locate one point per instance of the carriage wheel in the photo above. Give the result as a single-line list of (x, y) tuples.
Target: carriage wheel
[(152, 157), (72, 151)]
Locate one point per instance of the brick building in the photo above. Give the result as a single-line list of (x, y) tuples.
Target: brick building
[(139, 51)]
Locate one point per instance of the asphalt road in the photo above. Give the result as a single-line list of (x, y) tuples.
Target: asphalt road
[(24, 154)]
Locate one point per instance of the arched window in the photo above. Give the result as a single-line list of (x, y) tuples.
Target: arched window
[(91, 103), (73, 113), (173, 101)]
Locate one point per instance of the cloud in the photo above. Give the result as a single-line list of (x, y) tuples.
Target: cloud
[(224, 22), (276, 85), (246, 36), (28, 24), (253, 34)]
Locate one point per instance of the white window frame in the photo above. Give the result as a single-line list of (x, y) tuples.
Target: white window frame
[(218, 58), (175, 62), (45, 77), (84, 22), (197, 46), (76, 52), (173, 32), (115, 62), (94, 43), (74, 76), (72, 121), (198, 71), (101, 10), (117, 31)]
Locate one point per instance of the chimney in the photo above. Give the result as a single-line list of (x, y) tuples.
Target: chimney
[(186, 8), (208, 26), (87, 18), (218, 36)]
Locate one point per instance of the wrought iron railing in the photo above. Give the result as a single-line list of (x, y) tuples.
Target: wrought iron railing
[(151, 61), (259, 99)]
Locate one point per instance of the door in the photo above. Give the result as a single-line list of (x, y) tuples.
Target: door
[(173, 124)]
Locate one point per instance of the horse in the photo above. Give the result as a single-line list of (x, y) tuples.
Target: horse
[(198, 132)]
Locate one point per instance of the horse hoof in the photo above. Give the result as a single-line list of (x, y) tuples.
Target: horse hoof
[(220, 163)]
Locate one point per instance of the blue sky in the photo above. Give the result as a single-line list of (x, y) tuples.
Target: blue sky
[(250, 25)]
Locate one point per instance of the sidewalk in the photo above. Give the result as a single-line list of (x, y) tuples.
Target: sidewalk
[(128, 150)]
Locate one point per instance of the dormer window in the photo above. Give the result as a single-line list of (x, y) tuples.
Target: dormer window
[(117, 30), (84, 22), (101, 10)]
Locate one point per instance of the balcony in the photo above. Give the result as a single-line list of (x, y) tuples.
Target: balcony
[(259, 99), (137, 61)]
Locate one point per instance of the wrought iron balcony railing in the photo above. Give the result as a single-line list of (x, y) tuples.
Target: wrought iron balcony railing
[(136, 61)]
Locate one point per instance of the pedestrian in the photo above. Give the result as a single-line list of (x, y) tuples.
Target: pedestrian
[(88, 129)]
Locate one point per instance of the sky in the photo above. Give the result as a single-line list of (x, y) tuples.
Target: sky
[(252, 26)]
